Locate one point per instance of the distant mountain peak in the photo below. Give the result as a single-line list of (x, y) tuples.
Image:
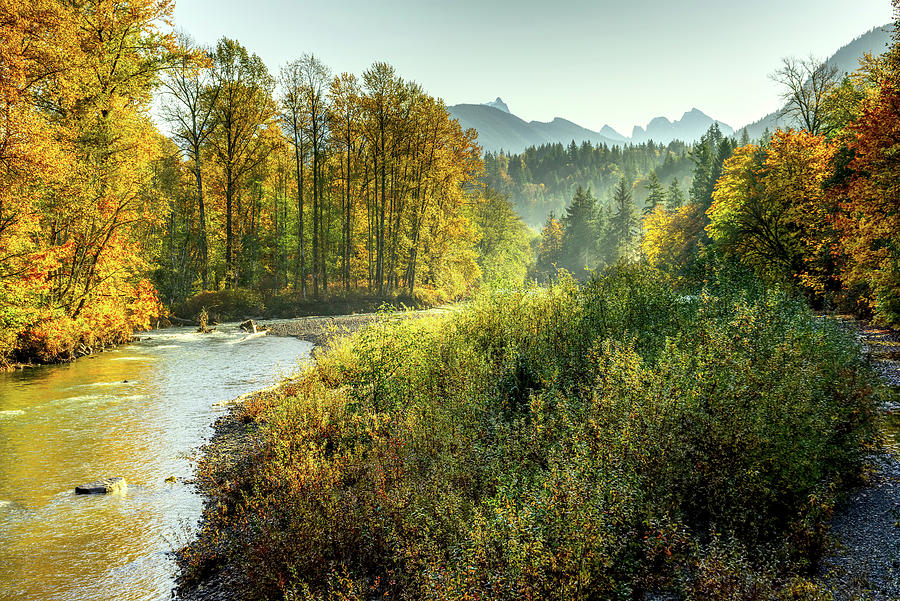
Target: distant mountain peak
[(609, 132), (499, 105), (695, 113)]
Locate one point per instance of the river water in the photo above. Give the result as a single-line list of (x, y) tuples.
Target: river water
[(138, 411)]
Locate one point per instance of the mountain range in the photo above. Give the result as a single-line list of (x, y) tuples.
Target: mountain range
[(499, 129)]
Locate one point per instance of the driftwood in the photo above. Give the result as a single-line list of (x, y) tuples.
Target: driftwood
[(250, 326), (203, 322)]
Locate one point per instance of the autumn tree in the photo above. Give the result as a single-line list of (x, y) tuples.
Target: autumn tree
[(382, 87), (77, 148), (313, 78), (292, 119), (670, 240), (243, 108), (769, 209), (344, 119), (869, 196), (191, 111)]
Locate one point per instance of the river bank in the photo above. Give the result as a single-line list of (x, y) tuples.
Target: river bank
[(866, 528), (237, 304), (235, 437), (425, 422)]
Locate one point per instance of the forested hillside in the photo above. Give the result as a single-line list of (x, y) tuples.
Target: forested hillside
[(845, 61), (542, 180)]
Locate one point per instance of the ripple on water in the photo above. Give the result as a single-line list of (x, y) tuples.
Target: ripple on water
[(75, 423)]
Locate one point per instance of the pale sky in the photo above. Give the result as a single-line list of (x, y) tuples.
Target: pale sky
[(592, 62)]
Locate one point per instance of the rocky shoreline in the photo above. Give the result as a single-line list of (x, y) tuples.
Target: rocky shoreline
[(866, 529), (228, 446), (319, 330)]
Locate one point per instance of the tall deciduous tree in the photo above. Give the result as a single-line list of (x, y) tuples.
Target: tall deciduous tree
[(314, 78), (345, 113), (191, 112), (769, 205), (243, 108), (806, 85)]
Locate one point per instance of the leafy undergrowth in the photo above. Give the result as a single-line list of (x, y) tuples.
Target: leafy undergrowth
[(594, 442), (52, 336)]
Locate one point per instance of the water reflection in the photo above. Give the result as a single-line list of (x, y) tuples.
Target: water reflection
[(135, 412)]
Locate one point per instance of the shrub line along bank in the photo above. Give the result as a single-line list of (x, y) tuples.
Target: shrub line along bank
[(601, 441)]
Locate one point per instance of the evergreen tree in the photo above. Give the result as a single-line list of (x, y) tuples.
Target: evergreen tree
[(579, 243), (674, 196), (656, 193), (708, 156), (549, 252), (624, 223)]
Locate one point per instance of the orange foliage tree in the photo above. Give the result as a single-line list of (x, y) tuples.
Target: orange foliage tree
[(76, 147), (869, 219)]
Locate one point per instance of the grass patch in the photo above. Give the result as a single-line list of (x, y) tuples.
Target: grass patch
[(593, 442)]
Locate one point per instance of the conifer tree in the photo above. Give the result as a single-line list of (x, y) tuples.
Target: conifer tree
[(579, 243), (624, 222), (657, 194), (674, 196)]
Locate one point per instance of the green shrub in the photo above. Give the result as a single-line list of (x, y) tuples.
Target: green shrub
[(565, 443)]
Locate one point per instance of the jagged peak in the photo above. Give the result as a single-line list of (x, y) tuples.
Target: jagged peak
[(498, 104)]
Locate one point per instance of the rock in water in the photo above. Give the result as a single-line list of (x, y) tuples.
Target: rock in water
[(249, 326), (102, 487)]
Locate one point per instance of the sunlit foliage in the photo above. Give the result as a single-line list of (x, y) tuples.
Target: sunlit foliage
[(567, 443)]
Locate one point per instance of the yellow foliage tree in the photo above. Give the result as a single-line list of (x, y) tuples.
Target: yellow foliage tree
[(769, 209)]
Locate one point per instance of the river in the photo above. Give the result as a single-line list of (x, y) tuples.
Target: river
[(138, 411)]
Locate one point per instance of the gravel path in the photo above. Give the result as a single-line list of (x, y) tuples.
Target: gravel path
[(866, 565)]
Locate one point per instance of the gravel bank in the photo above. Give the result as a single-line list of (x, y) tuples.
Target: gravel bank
[(229, 445), (319, 330), (866, 564)]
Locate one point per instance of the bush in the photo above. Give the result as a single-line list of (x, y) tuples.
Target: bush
[(565, 443)]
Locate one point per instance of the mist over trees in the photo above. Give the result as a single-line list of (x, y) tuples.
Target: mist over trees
[(544, 179)]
